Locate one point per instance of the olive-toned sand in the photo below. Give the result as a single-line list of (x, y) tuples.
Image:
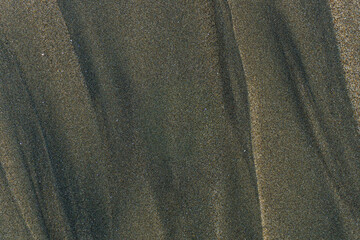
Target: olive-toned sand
[(205, 119), (346, 16)]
